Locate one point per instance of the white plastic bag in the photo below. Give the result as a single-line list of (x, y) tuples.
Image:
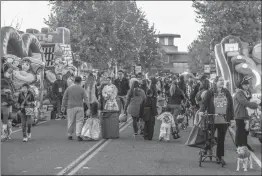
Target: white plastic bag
[(86, 130)]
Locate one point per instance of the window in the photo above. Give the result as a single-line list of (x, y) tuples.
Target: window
[(166, 41), (166, 59)]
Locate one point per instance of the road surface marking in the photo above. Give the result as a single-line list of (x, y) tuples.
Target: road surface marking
[(21, 128), (256, 159), (80, 165), (58, 168), (92, 149), (85, 167)]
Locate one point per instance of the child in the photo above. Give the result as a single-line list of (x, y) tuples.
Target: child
[(6, 103), (168, 126), (91, 129), (148, 113)]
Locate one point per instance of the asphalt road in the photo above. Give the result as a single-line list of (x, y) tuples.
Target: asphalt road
[(49, 151)]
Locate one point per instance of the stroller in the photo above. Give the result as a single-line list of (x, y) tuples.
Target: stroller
[(206, 151), (185, 115)]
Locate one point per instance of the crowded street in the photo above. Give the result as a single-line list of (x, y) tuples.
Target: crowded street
[(52, 154)]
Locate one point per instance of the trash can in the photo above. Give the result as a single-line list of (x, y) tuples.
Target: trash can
[(110, 124)]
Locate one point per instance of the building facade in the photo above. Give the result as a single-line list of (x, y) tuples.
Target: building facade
[(174, 60)]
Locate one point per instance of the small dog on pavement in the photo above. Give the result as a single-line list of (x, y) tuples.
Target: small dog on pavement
[(244, 157)]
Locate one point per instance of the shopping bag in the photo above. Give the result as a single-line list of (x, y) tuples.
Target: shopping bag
[(122, 118), (196, 137), (86, 130)]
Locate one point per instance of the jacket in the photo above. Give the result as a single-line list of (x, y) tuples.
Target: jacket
[(133, 103), (148, 109), (7, 98), (193, 94), (208, 104), (59, 88), (177, 97), (29, 103), (122, 86), (241, 103)]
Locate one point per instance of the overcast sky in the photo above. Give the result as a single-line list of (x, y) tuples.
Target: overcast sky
[(175, 17)]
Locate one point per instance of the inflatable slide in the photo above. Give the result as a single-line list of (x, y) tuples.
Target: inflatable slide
[(235, 60)]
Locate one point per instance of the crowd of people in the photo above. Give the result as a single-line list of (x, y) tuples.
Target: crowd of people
[(139, 97)]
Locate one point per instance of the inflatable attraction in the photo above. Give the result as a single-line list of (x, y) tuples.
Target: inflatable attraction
[(58, 57), (22, 62), (236, 59)]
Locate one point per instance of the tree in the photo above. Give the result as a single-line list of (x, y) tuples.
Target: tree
[(222, 18), (102, 32)]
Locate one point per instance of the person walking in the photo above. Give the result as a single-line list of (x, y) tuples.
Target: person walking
[(73, 98), (182, 84), (6, 108), (59, 88), (122, 85), (135, 97), (109, 94), (218, 100), (148, 113), (204, 87), (241, 103), (25, 100)]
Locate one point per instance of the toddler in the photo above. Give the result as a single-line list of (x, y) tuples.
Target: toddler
[(168, 126)]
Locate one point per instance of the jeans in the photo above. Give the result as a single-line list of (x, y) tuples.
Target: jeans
[(135, 125), (123, 101), (75, 118), (5, 111), (241, 134), (58, 105), (26, 122), (221, 134)]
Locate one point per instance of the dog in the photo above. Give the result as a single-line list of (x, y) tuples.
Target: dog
[(244, 157)]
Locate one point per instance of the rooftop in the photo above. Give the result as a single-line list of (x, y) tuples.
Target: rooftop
[(169, 35)]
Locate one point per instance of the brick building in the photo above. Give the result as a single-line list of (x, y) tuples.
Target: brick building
[(174, 60)]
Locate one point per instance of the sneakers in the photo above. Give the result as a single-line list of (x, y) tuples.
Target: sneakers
[(25, 139), (70, 138)]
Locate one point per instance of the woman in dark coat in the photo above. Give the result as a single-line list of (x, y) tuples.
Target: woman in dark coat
[(153, 86), (175, 99), (135, 97), (148, 113), (241, 102), (218, 100), (182, 84)]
